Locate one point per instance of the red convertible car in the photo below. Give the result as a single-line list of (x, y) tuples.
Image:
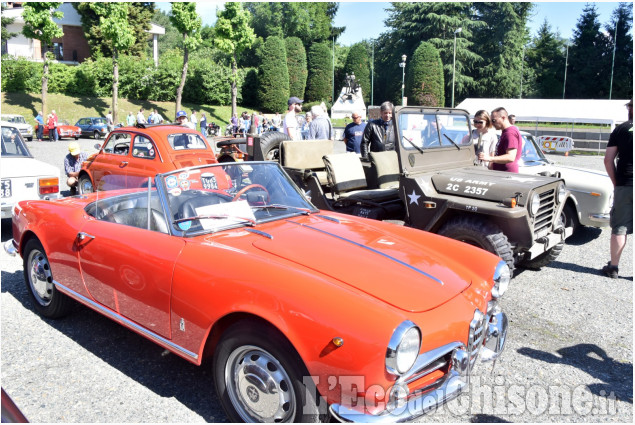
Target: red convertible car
[(64, 129), (302, 315)]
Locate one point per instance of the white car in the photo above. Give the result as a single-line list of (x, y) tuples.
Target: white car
[(20, 123), (591, 191), (24, 177)]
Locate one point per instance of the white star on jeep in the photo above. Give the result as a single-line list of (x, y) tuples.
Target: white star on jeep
[(414, 198)]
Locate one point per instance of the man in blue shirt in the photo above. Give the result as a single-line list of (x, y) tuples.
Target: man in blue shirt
[(353, 133), (40, 126)]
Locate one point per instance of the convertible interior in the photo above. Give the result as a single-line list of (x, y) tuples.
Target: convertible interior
[(131, 210)]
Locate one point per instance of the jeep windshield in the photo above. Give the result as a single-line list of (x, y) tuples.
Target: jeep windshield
[(222, 196), (421, 131)]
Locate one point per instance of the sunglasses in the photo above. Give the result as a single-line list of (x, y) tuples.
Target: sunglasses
[(478, 122), (354, 117)]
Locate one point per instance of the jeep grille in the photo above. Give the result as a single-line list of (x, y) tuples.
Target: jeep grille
[(545, 216)]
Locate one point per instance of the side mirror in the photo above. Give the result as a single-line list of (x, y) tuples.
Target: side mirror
[(98, 146)]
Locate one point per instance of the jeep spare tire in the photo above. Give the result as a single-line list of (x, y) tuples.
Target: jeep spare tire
[(270, 144), (482, 234)]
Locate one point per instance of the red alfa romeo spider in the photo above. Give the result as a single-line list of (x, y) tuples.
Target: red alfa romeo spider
[(301, 314)]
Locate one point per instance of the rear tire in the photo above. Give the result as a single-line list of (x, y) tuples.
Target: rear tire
[(47, 300), (270, 145), (481, 234)]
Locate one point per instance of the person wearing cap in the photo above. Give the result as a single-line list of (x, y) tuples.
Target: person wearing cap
[(73, 165), (620, 146), (181, 118), (290, 123)]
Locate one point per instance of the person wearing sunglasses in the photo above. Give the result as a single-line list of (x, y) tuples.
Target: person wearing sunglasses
[(483, 136), (509, 145)]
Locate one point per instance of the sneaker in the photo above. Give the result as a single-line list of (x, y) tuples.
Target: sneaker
[(610, 271)]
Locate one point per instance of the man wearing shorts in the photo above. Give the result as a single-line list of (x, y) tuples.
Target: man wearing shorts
[(620, 146)]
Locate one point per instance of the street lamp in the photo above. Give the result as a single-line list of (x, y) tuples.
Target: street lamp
[(402, 65), (613, 63), (566, 65), (458, 30)]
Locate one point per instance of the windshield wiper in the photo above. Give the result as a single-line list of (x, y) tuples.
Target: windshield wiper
[(411, 142), (251, 221), (452, 141), (304, 211)]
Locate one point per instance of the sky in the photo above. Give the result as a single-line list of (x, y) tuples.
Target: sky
[(365, 20)]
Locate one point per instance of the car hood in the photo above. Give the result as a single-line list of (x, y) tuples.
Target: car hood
[(406, 273), (26, 167), (481, 183)]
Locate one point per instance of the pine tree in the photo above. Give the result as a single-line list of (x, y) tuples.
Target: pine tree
[(273, 76), (425, 77), (546, 57), (623, 66)]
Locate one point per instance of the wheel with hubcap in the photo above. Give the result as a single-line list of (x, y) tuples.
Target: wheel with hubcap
[(48, 301), (259, 377), (85, 185), (97, 135)]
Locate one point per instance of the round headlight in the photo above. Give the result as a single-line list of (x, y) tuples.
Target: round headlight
[(535, 204), (562, 193), (502, 276), (403, 348)]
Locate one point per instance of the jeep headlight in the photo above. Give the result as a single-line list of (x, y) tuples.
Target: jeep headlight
[(403, 348), (502, 276), (562, 193), (534, 205)]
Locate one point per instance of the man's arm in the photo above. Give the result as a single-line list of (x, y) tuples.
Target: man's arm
[(609, 162), (365, 144)]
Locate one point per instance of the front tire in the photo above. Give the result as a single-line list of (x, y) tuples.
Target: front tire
[(259, 377), (85, 185), (570, 217), (47, 300), (484, 235), (97, 135)]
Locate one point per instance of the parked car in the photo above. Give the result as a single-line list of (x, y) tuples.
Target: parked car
[(591, 197), (20, 123), (23, 176), (299, 312), (64, 129), (131, 155), (93, 127)]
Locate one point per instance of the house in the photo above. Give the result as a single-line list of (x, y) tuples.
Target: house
[(71, 48)]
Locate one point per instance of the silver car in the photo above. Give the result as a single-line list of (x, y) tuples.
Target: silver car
[(591, 191), (23, 176), (26, 130)]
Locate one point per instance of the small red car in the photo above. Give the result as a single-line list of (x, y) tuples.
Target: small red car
[(64, 130), (132, 154), (301, 314)]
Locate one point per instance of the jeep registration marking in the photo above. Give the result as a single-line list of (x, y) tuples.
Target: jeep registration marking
[(475, 190), (471, 208)]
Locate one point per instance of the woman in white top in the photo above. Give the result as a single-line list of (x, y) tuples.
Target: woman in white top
[(483, 136)]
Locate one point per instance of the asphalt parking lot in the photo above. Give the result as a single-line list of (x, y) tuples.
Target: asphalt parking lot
[(568, 358)]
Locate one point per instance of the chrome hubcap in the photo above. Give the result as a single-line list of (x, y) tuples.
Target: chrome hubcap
[(86, 186), (40, 277), (259, 387)]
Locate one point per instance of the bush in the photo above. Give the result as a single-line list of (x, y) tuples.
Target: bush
[(320, 80), (21, 75), (296, 63), (357, 63), (273, 76), (425, 83)]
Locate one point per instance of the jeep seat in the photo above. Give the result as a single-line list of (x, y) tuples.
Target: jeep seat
[(306, 155)]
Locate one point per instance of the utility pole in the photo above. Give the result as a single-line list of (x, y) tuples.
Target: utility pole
[(566, 64), (613, 64)]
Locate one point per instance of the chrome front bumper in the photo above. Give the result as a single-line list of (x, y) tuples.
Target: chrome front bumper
[(11, 247), (455, 382)]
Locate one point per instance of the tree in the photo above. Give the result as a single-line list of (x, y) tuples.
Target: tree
[(425, 77), (233, 36), (358, 63), (139, 16), (589, 63), (39, 25), (546, 57), (320, 80), (188, 23), (273, 76), (6, 35), (623, 67), (118, 34), (296, 64)]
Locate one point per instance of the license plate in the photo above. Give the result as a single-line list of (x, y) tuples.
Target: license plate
[(6, 188)]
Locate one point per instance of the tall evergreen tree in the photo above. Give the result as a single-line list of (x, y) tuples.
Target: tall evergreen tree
[(589, 63), (320, 80), (273, 76), (546, 57), (296, 64), (358, 63), (6, 34), (623, 66), (425, 77)]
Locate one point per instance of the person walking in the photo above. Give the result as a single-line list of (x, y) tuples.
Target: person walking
[(620, 147), (204, 125), (109, 122), (379, 134), (55, 135), (40, 126), (483, 136), (509, 145), (141, 119), (73, 165), (354, 132), (193, 118), (50, 124), (130, 119)]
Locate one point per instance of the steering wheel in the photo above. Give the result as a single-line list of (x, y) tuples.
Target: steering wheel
[(247, 188), (121, 149)]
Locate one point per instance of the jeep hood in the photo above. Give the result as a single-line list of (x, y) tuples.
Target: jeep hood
[(489, 185), (412, 274)]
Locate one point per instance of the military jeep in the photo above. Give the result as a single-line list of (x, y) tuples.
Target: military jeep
[(431, 182)]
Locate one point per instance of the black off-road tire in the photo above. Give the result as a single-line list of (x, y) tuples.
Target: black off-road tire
[(38, 277), (482, 234), (252, 348), (270, 145)]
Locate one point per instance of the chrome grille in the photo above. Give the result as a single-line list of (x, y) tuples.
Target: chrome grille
[(477, 334), (545, 217)]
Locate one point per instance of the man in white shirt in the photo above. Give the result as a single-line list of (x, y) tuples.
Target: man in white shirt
[(290, 123), (193, 119)]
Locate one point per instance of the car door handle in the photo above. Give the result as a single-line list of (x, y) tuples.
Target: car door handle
[(83, 236), (123, 163)]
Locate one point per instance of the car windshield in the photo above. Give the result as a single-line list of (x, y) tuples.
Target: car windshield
[(12, 143), (430, 131), (14, 119), (531, 154), (182, 141)]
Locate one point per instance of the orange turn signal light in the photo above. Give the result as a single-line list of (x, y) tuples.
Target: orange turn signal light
[(49, 185), (510, 202)]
